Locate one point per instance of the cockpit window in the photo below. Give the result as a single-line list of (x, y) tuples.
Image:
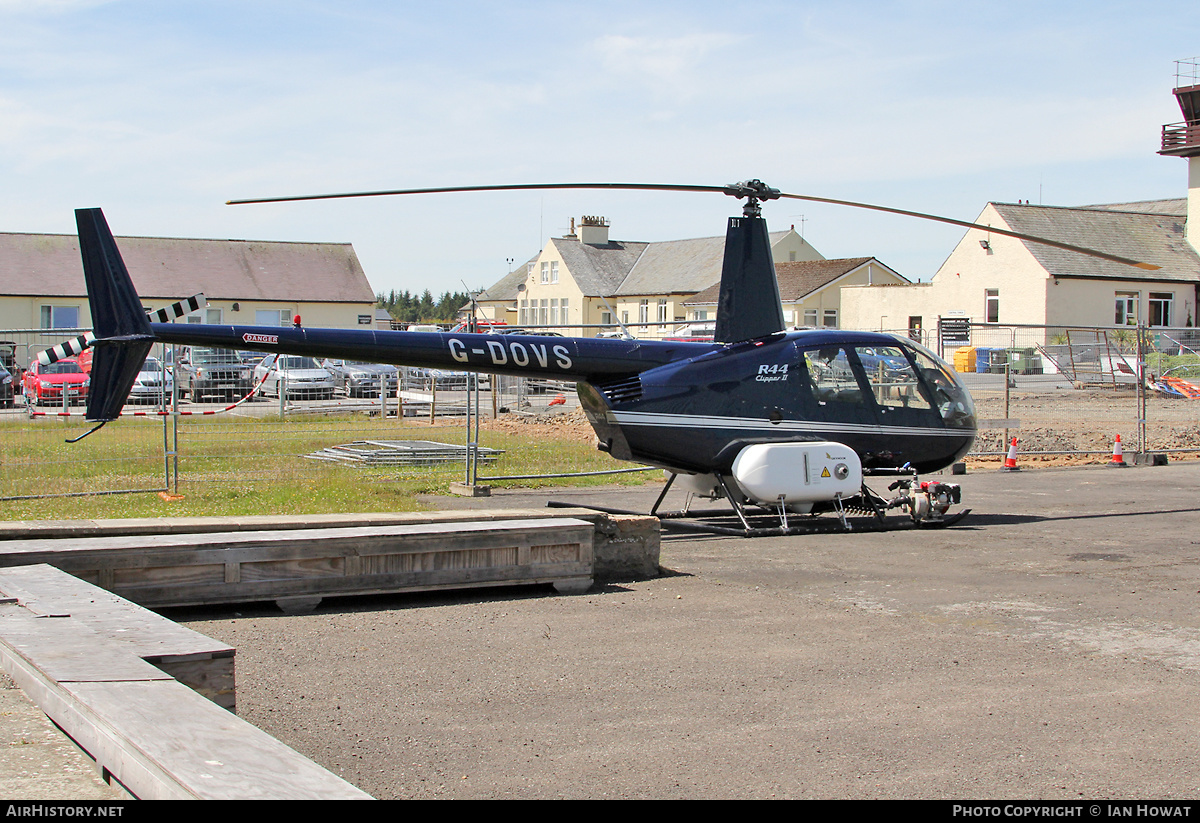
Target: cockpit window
[(892, 379), (832, 377), (953, 403)]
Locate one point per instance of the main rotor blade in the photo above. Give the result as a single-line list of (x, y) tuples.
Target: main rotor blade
[(736, 190), (969, 225), (516, 187)]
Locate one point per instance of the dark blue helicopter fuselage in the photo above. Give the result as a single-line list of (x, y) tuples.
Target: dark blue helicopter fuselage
[(689, 406)]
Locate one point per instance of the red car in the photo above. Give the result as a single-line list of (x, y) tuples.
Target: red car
[(45, 384)]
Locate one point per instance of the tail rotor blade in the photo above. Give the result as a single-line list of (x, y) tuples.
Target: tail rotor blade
[(177, 309), (75, 347), (69, 348)]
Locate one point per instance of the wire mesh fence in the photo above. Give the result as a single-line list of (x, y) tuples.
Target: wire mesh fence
[(1072, 390), (1061, 391)]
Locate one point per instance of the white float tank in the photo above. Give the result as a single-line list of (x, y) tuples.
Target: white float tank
[(797, 472)]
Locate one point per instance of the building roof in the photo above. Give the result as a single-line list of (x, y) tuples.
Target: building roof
[(800, 278), (1152, 231), (506, 288), (625, 268), (679, 266), (170, 268), (1176, 206), (599, 270)]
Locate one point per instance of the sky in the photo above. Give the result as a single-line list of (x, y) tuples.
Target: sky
[(159, 112)]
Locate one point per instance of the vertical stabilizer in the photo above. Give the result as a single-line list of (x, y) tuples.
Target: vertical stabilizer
[(748, 305), (116, 308), (123, 335)]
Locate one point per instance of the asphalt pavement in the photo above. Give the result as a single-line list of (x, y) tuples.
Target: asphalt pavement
[(1048, 647)]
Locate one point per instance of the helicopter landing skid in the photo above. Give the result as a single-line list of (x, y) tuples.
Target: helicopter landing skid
[(778, 521)]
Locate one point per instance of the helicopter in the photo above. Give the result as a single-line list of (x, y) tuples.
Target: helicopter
[(777, 423)]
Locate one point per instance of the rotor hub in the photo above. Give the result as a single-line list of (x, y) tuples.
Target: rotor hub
[(755, 191)]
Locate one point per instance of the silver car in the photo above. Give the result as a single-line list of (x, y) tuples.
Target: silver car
[(149, 385), (302, 378), (363, 379)]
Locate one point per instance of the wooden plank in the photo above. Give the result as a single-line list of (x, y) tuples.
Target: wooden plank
[(154, 735), (183, 746), (146, 634), (64, 649), (36, 529), (197, 661), (255, 545), (207, 568)]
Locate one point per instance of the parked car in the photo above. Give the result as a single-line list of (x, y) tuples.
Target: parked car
[(213, 373), (8, 362), (251, 358), (416, 377), (7, 389), (302, 377), (150, 385), (46, 384), (357, 379), (520, 330)]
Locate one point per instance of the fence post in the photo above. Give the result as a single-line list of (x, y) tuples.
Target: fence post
[(1140, 377)]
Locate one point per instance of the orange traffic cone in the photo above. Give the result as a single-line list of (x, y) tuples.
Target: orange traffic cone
[(1118, 459), (558, 400), (1010, 462)]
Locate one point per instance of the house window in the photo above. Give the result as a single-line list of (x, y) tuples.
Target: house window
[(553, 311), (553, 271), (624, 317), (269, 317), (662, 311), (563, 313), (700, 314), (60, 317), (644, 311), (544, 312), (545, 272), (213, 317), (523, 314), (830, 319), (605, 318), (1160, 308), (810, 317), (991, 306), (1126, 309)]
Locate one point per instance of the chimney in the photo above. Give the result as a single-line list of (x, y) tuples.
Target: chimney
[(593, 230), (1183, 139)]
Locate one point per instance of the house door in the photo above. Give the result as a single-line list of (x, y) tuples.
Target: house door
[(915, 329)]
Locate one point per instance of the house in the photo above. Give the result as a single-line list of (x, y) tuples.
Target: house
[(588, 282), (810, 290), (245, 281), (993, 280)]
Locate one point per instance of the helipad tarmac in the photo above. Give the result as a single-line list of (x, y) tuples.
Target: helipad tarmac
[(1048, 647)]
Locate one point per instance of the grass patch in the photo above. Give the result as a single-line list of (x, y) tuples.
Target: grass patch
[(245, 466)]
